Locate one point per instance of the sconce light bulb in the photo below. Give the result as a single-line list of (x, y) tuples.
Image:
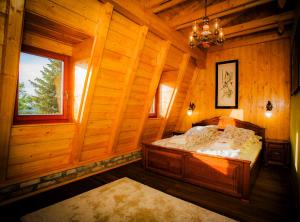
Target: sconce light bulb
[(189, 112), (268, 114)]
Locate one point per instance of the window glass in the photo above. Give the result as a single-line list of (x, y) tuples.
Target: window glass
[(40, 89), (153, 110), (80, 72)]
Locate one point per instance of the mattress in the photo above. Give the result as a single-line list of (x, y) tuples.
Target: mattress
[(248, 151)]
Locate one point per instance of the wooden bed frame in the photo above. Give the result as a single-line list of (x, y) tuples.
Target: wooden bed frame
[(227, 175)]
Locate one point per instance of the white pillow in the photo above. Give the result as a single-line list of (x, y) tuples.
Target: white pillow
[(238, 135), (200, 134)]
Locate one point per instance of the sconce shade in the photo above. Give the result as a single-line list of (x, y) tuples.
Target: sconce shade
[(191, 109), (269, 108), (189, 112)]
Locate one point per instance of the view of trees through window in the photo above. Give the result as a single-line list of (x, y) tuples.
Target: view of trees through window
[(40, 85)]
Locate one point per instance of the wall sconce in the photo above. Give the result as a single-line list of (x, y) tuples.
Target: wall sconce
[(191, 109), (269, 108)]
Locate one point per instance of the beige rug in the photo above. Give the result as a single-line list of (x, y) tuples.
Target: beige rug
[(123, 200)]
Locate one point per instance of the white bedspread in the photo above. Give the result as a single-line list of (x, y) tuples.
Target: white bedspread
[(248, 151)]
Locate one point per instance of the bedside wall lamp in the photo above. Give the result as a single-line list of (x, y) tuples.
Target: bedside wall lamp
[(269, 108), (191, 109)]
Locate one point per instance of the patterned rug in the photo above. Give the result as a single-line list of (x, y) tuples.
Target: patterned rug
[(124, 200)]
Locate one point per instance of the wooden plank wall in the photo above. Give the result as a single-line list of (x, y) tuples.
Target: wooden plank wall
[(139, 94), (110, 86), (39, 148), (131, 65), (168, 79), (180, 98), (264, 74)]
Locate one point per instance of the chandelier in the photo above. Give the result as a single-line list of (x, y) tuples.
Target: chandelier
[(207, 37)]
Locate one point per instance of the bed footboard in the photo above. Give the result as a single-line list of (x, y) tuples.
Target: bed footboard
[(226, 175)]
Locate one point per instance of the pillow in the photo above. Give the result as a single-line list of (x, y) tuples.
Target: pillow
[(238, 135), (200, 134)]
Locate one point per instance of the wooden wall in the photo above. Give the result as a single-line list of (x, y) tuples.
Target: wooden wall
[(125, 63), (264, 74), (175, 82)]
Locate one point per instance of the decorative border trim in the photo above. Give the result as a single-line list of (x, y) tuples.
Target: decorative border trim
[(24, 188)]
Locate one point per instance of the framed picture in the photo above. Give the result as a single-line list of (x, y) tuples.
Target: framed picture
[(227, 84), (295, 78)]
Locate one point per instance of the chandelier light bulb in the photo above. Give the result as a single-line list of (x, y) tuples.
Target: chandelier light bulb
[(192, 43), (195, 27), (221, 38), (217, 24)]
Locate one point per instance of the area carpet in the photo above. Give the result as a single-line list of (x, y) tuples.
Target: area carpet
[(124, 200)]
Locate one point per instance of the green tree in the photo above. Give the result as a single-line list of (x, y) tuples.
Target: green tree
[(45, 100), (24, 101)]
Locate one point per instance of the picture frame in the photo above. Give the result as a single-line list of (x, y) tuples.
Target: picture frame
[(227, 84), (295, 61)]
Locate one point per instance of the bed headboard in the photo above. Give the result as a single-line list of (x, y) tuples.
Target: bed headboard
[(222, 122)]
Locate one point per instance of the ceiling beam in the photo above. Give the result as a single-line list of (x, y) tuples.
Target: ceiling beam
[(258, 25), (134, 12), (154, 3), (167, 5), (215, 11), (250, 40)]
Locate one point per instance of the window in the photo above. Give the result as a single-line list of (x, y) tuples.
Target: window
[(80, 73), (155, 106), (42, 87)]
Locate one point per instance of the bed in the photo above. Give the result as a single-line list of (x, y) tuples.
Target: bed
[(229, 175)]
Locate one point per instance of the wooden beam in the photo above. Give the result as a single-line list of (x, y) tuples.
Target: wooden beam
[(152, 89), (62, 15), (38, 41), (250, 40), (90, 82), (82, 50), (258, 23), (215, 11), (156, 25), (130, 75), (9, 77), (182, 69), (167, 5), (153, 3), (187, 99)]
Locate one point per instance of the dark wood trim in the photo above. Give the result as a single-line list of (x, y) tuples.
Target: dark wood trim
[(237, 85), (238, 123), (65, 116)]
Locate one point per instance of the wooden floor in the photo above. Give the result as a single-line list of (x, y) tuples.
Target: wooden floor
[(271, 198)]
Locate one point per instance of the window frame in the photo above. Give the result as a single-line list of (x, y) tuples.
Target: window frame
[(156, 102), (65, 116)]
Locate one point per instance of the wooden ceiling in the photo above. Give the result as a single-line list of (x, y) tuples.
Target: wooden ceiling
[(239, 18)]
